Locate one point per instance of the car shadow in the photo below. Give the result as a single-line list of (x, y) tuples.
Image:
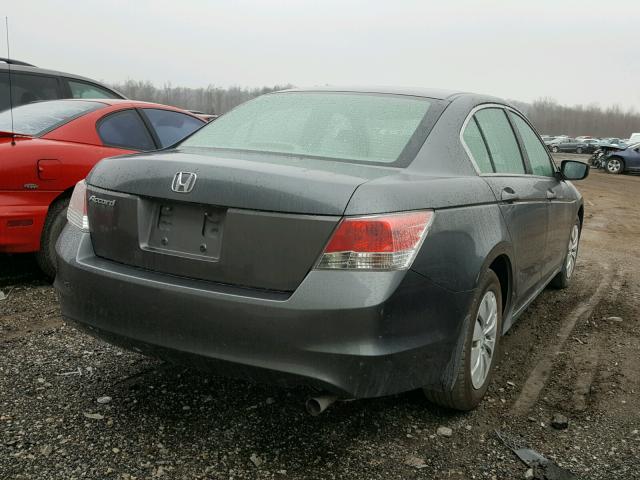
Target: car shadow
[(20, 268), (220, 414)]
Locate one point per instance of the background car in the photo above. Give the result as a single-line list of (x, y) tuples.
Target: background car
[(612, 142), (570, 145), (620, 161), (374, 241), (593, 144), (54, 144), (555, 139), (31, 84)]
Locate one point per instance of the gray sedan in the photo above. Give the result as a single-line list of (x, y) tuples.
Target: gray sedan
[(362, 241), (572, 145)]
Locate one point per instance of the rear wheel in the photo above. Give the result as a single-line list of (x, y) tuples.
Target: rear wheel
[(480, 349), (614, 165), (579, 150), (55, 222), (554, 149), (563, 278)]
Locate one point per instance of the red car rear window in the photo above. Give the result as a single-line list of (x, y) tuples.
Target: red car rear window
[(41, 117)]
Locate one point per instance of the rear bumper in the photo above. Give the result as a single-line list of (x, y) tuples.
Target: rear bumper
[(356, 334), (21, 227)]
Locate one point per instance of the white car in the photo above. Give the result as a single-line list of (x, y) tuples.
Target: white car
[(634, 138)]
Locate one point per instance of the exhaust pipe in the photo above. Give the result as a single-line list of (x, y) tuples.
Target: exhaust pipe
[(316, 405)]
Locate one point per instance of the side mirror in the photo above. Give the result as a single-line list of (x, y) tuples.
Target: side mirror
[(574, 170)]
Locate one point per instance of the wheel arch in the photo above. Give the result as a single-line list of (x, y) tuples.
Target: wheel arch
[(500, 261), (581, 215), (501, 266), (61, 196)]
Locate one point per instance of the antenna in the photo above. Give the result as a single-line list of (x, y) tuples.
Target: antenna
[(13, 133)]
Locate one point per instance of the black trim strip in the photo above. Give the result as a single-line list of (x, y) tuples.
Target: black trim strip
[(524, 155), (152, 132), (484, 141)]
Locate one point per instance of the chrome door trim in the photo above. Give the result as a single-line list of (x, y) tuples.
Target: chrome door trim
[(473, 161)]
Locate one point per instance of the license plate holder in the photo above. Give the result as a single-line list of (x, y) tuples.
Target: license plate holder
[(185, 230)]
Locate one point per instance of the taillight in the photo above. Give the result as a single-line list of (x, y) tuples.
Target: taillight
[(377, 242), (77, 211)]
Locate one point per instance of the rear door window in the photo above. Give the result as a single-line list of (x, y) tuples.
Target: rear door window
[(536, 151), (501, 141), (169, 126), (27, 88), (478, 149), (125, 129), (86, 90)]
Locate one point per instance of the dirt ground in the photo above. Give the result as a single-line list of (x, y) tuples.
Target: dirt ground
[(574, 352)]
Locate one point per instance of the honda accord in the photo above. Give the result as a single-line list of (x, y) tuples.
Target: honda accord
[(361, 241)]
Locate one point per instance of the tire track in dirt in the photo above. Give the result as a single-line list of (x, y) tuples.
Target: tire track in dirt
[(541, 372), (589, 361), (589, 358)]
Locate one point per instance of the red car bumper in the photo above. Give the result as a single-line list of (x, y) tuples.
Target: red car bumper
[(22, 216)]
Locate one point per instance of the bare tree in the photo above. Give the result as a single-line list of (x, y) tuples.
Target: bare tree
[(552, 118), (209, 99), (545, 113)]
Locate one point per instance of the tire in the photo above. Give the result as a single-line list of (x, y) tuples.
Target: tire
[(614, 165), (579, 150), (468, 389), (53, 225), (563, 278), (554, 149)]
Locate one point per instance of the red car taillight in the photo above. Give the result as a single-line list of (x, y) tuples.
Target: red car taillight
[(77, 211), (377, 242)]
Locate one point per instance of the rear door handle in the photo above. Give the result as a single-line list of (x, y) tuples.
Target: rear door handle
[(509, 195), (551, 195)]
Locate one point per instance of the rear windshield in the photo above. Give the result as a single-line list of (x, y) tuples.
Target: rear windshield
[(349, 126), (40, 117)]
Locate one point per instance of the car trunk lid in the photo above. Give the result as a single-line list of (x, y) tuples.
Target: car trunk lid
[(267, 182), (248, 221)]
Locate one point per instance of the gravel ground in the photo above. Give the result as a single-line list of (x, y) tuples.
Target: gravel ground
[(74, 407)]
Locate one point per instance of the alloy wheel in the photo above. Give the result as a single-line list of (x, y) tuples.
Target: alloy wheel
[(614, 165), (484, 339), (572, 254)]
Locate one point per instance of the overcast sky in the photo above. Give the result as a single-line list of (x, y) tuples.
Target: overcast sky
[(574, 51)]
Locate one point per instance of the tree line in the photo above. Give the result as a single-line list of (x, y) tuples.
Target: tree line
[(210, 99), (552, 118), (546, 114)]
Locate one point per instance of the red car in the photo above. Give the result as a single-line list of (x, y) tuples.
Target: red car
[(49, 146)]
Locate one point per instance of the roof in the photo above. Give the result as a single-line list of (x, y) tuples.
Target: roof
[(13, 61), (20, 67), (115, 101), (437, 93), (32, 69), (119, 101)]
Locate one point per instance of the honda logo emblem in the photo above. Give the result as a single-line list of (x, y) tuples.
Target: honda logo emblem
[(183, 182)]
